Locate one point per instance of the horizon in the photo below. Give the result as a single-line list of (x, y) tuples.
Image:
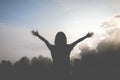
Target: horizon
[(74, 17)]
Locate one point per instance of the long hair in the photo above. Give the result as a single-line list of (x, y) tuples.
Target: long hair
[(60, 39)]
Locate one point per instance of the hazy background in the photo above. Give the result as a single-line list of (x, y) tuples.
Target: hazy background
[(74, 17)]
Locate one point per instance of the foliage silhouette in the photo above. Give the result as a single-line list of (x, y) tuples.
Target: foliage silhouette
[(95, 66)]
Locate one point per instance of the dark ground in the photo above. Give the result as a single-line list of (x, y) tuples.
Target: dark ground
[(90, 67)]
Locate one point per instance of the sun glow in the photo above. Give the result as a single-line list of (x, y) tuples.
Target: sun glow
[(116, 21), (105, 31)]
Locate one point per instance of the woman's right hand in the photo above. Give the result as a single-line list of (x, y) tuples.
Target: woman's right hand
[(35, 32), (89, 34)]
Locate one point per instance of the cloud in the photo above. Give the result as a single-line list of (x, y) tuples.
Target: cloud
[(109, 44)]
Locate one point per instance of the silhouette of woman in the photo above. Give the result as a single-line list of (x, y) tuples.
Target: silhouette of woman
[(60, 51)]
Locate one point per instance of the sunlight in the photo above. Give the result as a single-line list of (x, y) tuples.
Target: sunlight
[(101, 32), (82, 27), (116, 21), (78, 29)]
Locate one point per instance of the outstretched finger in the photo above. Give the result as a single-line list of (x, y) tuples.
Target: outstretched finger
[(91, 34), (33, 32)]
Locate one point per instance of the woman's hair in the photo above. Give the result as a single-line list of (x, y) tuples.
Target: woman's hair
[(60, 39)]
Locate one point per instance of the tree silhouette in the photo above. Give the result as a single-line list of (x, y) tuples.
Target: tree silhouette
[(5, 70)]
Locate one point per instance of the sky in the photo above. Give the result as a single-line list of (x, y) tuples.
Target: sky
[(74, 17)]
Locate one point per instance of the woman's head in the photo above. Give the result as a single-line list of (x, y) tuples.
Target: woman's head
[(60, 39)]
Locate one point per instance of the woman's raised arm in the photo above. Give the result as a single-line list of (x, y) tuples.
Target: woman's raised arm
[(35, 33), (81, 39)]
